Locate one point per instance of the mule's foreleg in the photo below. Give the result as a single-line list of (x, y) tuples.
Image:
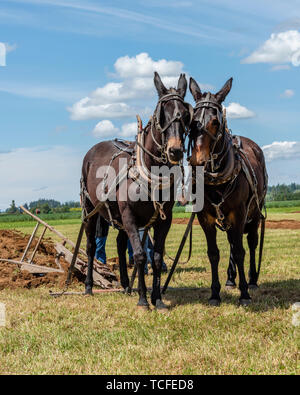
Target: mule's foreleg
[(213, 253), (235, 238), (139, 254), (161, 230), (231, 273), (122, 239), (90, 230)]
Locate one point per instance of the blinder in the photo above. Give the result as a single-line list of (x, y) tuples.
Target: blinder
[(202, 120), (176, 116)]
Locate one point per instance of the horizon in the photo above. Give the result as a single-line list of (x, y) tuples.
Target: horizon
[(74, 72)]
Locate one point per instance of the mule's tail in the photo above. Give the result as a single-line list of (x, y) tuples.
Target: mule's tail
[(261, 242)]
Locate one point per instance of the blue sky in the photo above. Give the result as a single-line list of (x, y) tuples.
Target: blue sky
[(78, 71)]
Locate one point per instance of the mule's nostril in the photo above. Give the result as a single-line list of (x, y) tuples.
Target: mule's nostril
[(176, 154)]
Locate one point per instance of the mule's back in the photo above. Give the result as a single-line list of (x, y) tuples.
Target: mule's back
[(256, 158), (98, 156)]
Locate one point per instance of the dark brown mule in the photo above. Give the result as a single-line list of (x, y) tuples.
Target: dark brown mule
[(163, 144), (235, 188)]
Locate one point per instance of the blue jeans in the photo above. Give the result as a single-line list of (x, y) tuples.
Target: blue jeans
[(100, 249)]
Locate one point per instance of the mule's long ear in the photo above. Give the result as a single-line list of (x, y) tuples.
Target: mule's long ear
[(182, 85), (221, 95), (161, 89), (195, 90)]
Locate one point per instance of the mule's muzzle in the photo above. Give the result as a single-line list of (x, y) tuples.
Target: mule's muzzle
[(175, 154)]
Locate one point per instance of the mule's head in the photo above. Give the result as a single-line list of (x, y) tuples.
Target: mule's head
[(172, 117), (207, 121)]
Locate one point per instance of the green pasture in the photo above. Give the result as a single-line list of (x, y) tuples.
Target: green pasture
[(106, 334)]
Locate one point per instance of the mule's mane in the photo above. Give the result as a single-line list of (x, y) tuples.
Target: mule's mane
[(172, 90)]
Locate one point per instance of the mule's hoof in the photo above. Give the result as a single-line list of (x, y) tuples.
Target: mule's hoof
[(230, 287), (143, 307), (230, 284), (127, 291), (214, 302), (245, 302), (253, 286), (88, 291), (160, 306)]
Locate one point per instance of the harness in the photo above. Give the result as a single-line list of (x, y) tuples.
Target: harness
[(155, 123), (136, 169), (210, 102), (231, 154)]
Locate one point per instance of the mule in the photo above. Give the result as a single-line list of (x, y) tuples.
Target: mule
[(234, 191), (161, 142)]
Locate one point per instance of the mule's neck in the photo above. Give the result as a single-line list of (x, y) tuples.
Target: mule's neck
[(151, 146), (222, 149)]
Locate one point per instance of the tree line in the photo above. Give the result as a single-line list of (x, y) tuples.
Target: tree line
[(45, 206), (282, 192), (279, 192)]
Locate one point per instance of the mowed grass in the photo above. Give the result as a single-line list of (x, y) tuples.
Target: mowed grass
[(105, 334)]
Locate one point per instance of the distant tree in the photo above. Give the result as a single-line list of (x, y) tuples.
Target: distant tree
[(12, 209), (45, 208)]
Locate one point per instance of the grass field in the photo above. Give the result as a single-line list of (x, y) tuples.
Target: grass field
[(105, 334)]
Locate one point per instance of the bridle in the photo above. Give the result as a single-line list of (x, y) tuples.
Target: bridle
[(155, 124), (210, 102)]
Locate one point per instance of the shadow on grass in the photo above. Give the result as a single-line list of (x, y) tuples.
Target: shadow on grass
[(191, 269), (269, 295)]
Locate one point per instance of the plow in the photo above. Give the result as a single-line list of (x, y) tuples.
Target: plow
[(104, 278)]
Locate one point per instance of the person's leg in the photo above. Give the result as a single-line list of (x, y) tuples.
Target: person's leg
[(100, 249), (130, 254)]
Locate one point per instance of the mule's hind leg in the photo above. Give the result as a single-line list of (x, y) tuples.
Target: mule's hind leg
[(122, 239), (252, 239), (90, 230)]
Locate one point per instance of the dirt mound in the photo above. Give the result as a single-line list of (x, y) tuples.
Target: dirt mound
[(12, 246), (271, 224)]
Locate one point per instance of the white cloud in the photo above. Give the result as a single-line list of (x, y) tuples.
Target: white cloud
[(280, 67), (106, 128), (280, 48), (143, 66), (117, 100), (36, 172), (39, 91), (88, 109), (237, 111), (129, 130), (10, 47), (282, 150), (287, 94)]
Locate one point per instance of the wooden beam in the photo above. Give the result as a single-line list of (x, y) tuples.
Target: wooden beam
[(64, 238), (32, 268), (80, 265)]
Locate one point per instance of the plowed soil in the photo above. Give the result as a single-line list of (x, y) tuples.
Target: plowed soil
[(271, 224), (12, 246)]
